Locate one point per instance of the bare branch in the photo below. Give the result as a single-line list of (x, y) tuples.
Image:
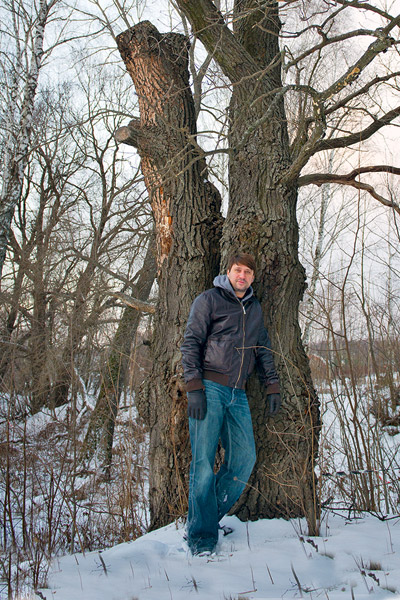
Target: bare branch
[(327, 42), (318, 27), (364, 6), (349, 179), (316, 142), (321, 178), (358, 136), (314, 145), (363, 90), (381, 44)]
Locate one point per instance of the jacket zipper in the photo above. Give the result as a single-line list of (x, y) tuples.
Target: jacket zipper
[(244, 338)]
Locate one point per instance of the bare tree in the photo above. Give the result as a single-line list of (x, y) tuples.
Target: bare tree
[(79, 230), (22, 60), (265, 172), (100, 432)]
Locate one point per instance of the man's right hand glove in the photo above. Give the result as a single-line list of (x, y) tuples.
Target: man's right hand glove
[(197, 404), (274, 403)]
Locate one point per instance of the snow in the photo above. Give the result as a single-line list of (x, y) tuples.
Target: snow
[(357, 558), (356, 555)]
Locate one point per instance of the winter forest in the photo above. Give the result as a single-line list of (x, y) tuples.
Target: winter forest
[(141, 143)]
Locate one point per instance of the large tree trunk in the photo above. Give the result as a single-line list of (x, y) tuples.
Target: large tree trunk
[(100, 433), (262, 220), (186, 208)]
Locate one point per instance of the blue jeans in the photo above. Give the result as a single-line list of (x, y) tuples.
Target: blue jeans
[(212, 495)]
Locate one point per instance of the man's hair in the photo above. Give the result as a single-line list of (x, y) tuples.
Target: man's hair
[(242, 259)]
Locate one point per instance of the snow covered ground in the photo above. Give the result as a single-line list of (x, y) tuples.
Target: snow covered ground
[(358, 558), (355, 558)]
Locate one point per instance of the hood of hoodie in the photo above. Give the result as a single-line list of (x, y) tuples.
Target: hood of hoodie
[(222, 281)]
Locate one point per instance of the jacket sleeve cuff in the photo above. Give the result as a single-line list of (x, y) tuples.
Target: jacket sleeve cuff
[(273, 388), (194, 384)]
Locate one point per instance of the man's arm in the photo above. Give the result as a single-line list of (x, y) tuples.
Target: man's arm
[(192, 349)]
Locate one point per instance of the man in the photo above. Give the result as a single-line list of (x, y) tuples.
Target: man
[(225, 336)]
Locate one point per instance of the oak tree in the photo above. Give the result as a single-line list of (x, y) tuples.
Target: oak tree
[(269, 147)]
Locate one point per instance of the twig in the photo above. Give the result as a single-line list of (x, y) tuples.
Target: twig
[(103, 564), (297, 580), (270, 576), (247, 534)]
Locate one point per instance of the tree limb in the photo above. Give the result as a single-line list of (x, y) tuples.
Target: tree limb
[(327, 42), (146, 307), (358, 136), (209, 26), (321, 178), (381, 44), (313, 145), (127, 135), (349, 179), (364, 6), (316, 142), (342, 103), (363, 90)]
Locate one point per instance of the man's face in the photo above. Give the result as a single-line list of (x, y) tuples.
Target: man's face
[(241, 278)]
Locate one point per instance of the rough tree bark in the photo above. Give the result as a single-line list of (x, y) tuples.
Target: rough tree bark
[(186, 208), (262, 220), (100, 434)]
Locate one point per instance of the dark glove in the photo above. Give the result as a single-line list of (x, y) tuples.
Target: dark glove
[(274, 403), (197, 404)]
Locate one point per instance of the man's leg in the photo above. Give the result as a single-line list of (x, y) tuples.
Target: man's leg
[(238, 442), (202, 526)]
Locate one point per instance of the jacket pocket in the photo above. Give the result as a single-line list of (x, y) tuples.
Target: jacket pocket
[(218, 354)]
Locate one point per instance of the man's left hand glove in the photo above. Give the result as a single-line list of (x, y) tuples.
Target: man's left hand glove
[(274, 403), (197, 404)]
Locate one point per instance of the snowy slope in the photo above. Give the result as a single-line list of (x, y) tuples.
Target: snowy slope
[(265, 559)]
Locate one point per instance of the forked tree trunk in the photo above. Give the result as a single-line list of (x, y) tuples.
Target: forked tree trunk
[(186, 208), (262, 220)]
